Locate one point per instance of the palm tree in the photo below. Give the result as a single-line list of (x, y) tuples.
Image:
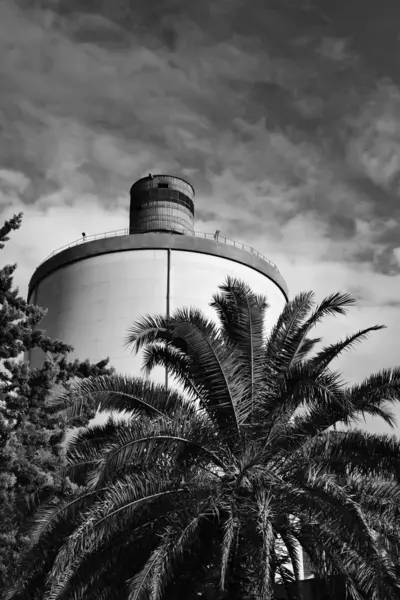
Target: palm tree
[(217, 485)]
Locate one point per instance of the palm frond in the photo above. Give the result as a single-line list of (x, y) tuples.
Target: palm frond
[(306, 347), (363, 569), (331, 305), (327, 557), (212, 366), (378, 497), (242, 314), (322, 402), (111, 565), (322, 360), (334, 304), (173, 547), (375, 393), (176, 363), (236, 295), (139, 584), (326, 403), (283, 341), (122, 393), (356, 452), (149, 448), (48, 517), (327, 495), (85, 446), (147, 330), (117, 508)]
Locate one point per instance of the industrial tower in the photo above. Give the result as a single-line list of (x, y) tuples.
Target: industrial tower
[(96, 287)]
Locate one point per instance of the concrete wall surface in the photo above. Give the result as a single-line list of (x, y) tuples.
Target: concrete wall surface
[(91, 302)]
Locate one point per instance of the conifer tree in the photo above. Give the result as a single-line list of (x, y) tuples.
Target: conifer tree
[(31, 431)]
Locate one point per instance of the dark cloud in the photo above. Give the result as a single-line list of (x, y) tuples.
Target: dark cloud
[(373, 29), (274, 108)]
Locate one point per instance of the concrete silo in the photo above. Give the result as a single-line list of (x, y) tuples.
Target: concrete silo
[(97, 286)]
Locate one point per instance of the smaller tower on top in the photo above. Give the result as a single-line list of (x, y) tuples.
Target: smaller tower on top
[(161, 203)]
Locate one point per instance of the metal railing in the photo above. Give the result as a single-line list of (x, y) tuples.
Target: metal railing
[(209, 236), (87, 238), (228, 242)]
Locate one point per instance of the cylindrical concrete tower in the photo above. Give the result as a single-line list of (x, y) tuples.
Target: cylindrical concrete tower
[(95, 289), (161, 203)]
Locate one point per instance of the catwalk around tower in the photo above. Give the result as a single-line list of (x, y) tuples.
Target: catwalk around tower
[(97, 286)]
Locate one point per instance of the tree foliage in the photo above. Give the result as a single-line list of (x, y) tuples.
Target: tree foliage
[(213, 489), (30, 432)]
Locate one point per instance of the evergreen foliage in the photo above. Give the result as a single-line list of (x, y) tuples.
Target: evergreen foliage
[(31, 453)]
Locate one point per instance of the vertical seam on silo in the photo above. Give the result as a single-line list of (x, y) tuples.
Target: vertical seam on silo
[(168, 301), (168, 279)]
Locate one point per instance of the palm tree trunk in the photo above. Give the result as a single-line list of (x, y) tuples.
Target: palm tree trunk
[(236, 580)]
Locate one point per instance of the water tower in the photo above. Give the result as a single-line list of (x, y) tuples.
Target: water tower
[(98, 285)]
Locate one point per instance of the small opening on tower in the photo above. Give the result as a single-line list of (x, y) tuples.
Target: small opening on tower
[(163, 185)]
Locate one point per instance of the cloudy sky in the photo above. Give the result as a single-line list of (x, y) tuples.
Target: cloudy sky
[(283, 114)]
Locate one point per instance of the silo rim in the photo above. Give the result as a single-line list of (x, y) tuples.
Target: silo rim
[(156, 241), (164, 175)]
